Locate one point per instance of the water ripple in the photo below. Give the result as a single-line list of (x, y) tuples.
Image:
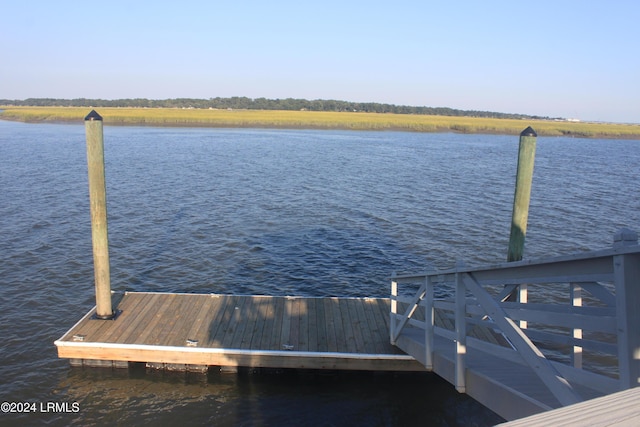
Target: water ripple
[(268, 212)]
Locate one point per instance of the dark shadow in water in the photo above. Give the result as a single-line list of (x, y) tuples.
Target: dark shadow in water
[(264, 397), (321, 260)]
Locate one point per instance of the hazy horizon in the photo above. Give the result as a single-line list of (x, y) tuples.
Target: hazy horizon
[(569, 59)]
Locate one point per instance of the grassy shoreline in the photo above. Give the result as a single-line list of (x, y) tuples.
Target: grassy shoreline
[(318, 120)]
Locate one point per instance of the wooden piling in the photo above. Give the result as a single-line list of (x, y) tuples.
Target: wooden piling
[(524, 176), (98, 201)]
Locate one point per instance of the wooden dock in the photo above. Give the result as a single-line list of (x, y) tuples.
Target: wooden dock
[(195, 331), (518, 358)]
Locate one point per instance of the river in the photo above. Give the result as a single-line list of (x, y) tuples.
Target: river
[(274, 212)]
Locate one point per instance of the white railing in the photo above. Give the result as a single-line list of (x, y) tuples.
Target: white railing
[(575, 321)]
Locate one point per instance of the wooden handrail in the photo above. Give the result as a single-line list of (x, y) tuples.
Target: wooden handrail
[(602, 289)]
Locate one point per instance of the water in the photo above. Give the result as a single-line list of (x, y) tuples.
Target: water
[(275, 212)]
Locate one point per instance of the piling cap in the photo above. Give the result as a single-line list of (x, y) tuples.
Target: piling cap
[(93, 115), (529, 132)]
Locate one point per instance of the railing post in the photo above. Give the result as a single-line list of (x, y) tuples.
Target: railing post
[(461, 331), (98, 202), (576, 301), (626, 275), (394, 309), (523, 298), (428, 319)]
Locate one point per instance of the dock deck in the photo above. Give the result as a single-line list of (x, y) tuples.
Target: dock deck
[(193, 331)]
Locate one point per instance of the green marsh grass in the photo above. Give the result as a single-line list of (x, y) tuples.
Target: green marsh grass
[(320, 120)]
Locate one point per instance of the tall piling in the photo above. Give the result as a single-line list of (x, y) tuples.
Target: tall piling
[(98, 202), (524, 177)]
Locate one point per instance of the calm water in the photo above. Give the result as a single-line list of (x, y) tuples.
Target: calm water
[(312, 213)]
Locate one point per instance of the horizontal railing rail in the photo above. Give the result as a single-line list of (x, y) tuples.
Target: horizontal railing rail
[(576, 321)]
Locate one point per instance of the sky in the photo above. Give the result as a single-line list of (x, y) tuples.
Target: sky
[(559, 58)]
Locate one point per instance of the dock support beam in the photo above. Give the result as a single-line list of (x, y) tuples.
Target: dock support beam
[(524, 176), (98, 201), (520, 214)]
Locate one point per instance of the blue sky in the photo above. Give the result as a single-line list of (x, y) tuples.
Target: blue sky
[(573, 59)]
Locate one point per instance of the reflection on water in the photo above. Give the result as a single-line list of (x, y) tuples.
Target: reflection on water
[(267, 398)]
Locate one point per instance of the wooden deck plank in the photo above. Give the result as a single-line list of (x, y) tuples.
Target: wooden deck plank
[(378, 336), (358, 326), (199, 329), (273, 336), (92, 329), (130, 305), (242, 317), (231, 322), (169, 319), (141, 320), (365, 326), (384, 305), (264, 318), (95, 329), (219, 320), (382, 318), (180, 332), (330, 322), (253, 320), (351, 346), (150, 332), (304, 331), (321, 326), (285, 334), (340, 327), (294, 333), (84, 328)]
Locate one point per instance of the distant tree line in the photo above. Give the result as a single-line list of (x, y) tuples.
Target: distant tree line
[(244, 103)]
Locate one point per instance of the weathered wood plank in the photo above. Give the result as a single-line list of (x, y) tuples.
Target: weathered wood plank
[(285, 334), (220, 319), (378, 337), (142, 320), (347, 335), (321, 326), (294, 334), (150, 333), (264, 318), (235, 321), (304, 325), (364, 327), (180, 306), (274, 335), (312, 326), (253, 321), (243, 318), (178, 334), (90, 329), (199, 329), (384, 305), (131, 305), (330, 321)]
